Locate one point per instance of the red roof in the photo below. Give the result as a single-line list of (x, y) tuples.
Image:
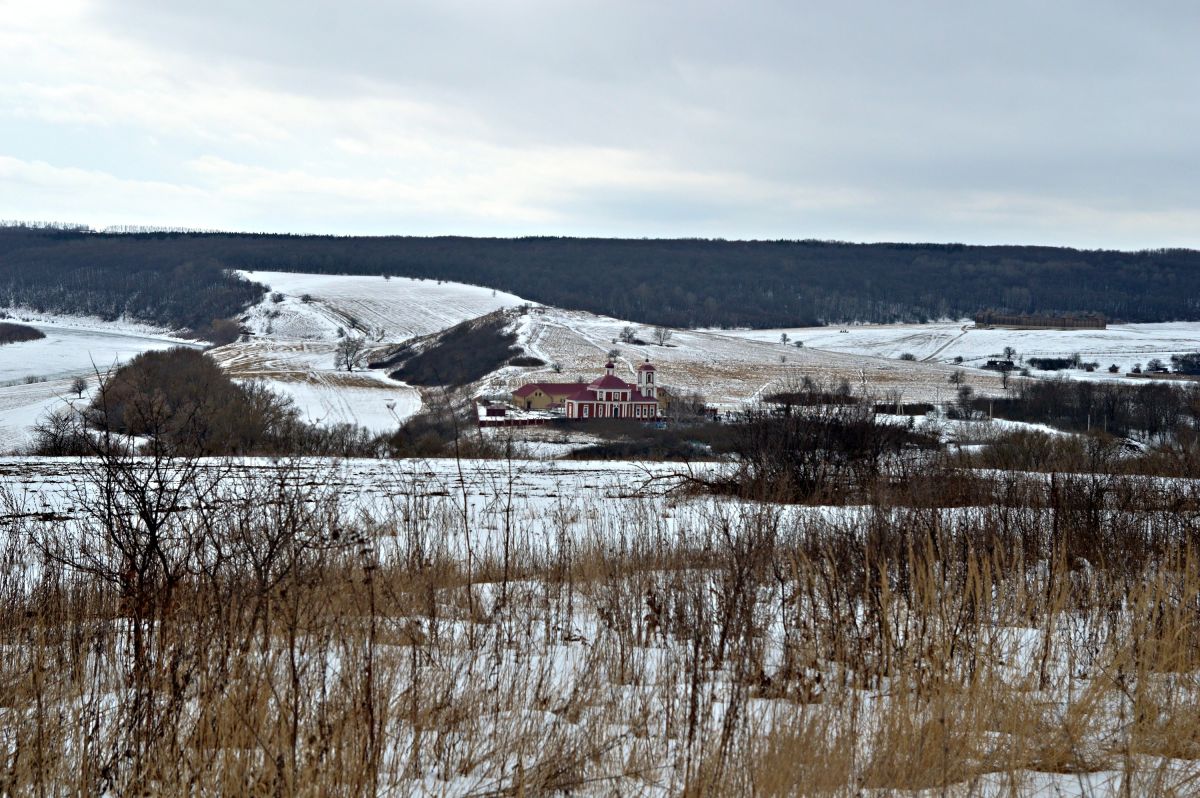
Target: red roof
[(555, 388), (647, 366), (609, 382), (583, 395)]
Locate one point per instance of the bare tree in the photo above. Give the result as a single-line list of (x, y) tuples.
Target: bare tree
[(350, 352), (957, 378), (662, 335), (59, 435), (78, 386), (628, 334), (965, 393), (689, 406), (783, 339), (131, 533)]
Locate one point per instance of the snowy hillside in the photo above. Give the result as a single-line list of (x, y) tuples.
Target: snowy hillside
[(1123, 344), (297, 326), (392, 309), (725, 369)]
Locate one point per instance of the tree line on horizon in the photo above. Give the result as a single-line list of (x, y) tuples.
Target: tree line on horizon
[(182, 279)]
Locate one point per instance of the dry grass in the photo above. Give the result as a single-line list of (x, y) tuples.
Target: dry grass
[(266, 641)]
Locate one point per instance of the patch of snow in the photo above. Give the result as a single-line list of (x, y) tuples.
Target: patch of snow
[(122, 326), (379, 408)]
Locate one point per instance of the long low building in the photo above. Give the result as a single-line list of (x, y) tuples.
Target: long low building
[(1033, 321), (545, 395)]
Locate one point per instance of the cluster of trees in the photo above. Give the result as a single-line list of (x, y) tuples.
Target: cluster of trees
[(460, 355), (69, 271), (674, 283), (1054, 363), (1186, 364), (812, 442), (179, 401), (11, 333), (1153, 411)]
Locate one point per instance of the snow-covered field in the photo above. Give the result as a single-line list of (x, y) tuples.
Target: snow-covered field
[(36, 376), (294, 340), (1122, 344), (542, 493), (304, 371), (292, 347)]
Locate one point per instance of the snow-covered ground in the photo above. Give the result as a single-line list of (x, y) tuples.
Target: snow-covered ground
[(296, 335), (68, 351), (542, 493), (36, 376), (942, 342), (368, 400), (291, 349)]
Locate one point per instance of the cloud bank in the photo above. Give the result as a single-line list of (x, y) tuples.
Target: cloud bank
[(1069, 123)]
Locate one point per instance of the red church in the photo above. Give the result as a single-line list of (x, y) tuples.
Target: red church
[(606, 397), (612, 397)]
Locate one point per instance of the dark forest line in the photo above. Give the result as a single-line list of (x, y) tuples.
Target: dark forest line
[(179, 279)]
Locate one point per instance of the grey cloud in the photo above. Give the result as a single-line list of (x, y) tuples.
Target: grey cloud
[(1083, 104)]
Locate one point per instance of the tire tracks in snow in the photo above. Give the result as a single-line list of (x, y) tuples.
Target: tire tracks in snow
[(943, 347)]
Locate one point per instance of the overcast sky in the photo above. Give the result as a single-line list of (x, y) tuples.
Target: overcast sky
[(1072, 123)]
